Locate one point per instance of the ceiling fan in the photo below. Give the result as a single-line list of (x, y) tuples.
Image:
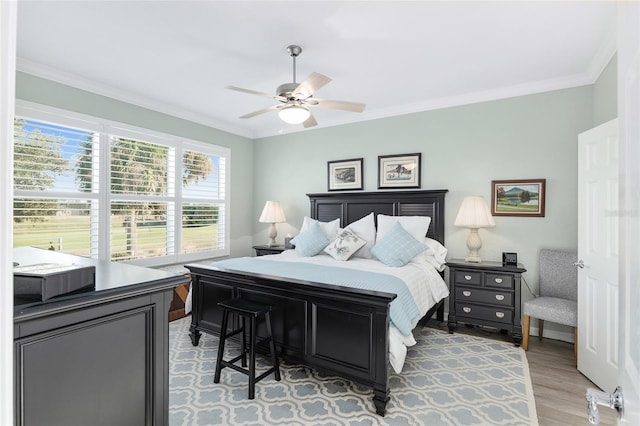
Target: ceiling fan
[(296, 98)]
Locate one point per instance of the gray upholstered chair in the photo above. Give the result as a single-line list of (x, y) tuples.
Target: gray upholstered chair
[(558, 278)]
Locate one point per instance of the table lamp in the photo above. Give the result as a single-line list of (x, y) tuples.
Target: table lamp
[(474, 214), (272, 213)]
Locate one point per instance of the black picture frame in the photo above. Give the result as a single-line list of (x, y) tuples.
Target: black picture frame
[(399, 171), (344, 175)]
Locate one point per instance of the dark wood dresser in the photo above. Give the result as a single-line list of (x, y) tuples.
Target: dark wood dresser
[(487, 294)]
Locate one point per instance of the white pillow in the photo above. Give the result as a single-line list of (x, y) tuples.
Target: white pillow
[(345, 245), (435, 255), (365, 228), (416, 226), (329, 229)]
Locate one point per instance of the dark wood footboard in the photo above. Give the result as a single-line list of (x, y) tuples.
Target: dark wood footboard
[(333, 329)]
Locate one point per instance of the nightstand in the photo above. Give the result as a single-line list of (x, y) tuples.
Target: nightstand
[(265, 250), (486, 294)]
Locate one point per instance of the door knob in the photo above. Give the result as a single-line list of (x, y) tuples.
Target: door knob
[(579, 264), (611, 400)]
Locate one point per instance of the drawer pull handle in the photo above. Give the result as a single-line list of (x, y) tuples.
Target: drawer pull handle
[(467, 277), (500, 314), (466, 309), (466, 293), (499, 297), (498, 280)]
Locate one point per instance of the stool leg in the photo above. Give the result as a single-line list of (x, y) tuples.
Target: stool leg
[(223, 337), (252, 358), (244, 341), (272, 345)]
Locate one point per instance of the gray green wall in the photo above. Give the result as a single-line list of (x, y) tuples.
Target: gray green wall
[(47, 92), (463, 150), (605, 94)]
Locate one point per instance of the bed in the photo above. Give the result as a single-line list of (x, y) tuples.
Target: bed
[(338, 330)]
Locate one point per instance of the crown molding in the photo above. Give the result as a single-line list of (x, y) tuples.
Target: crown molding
[(75, 81), (599, 62), (542, 86)]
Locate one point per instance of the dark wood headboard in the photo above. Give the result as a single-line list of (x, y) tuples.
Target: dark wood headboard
[(351, 206)]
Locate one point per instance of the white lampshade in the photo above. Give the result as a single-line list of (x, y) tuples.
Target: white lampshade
[(272, 213), (294, 114), (473, 214)]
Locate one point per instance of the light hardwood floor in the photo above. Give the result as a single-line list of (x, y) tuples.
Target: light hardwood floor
[(558, 387)]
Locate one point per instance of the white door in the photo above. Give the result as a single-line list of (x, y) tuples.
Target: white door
[(598, 249), (629, 111)]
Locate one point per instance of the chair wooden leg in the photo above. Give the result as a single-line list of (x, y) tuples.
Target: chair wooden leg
[(540, 328), (525, 332), (575, 345)]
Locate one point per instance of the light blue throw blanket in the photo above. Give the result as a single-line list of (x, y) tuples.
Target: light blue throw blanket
[(403, 310)]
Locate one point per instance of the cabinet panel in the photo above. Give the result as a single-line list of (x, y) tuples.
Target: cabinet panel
[(62, 372), (468, 277), (498, 280), (484, 313), (472, 294)]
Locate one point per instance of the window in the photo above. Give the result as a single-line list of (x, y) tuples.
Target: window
[(104, 190)]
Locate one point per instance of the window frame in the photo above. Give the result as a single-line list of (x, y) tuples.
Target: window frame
[(105, 129)]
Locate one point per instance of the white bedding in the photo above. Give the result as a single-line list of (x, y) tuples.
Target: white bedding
[(423, 281)]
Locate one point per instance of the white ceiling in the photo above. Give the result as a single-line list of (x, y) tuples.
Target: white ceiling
[(397, 57)]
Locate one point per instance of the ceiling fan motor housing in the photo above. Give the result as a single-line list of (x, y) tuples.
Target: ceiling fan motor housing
[(286, 89)]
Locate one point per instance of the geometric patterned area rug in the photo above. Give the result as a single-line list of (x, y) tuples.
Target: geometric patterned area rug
[(447, 379)]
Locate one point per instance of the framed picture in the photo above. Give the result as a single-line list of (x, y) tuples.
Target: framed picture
[(344, 174), (399, 171), (524, 197)]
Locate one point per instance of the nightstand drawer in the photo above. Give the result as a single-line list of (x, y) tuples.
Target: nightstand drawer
[(486, 313), (491, 297), (499, 280), (468, 277)]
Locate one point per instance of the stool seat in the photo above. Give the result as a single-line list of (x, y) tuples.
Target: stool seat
[(245, 307), (252, 311)]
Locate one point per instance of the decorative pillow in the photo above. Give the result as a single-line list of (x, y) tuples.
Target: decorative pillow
[(397, 247), (329, 229), (416, 226), (311, 241), (435, 255), (345, 245), (365, 228)]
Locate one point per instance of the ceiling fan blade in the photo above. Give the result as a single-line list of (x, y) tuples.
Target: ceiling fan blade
[(253, 92), (310, 122), (262, 111), (343, 105), (308, 87)]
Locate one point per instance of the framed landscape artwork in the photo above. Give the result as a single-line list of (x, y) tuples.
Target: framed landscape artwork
[(399, 171), (524, 197), (344, 174)]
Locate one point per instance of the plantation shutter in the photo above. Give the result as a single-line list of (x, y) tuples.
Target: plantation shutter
[(55, 199), (121, 193)]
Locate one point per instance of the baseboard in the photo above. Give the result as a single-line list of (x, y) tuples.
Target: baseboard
[(553, 334)]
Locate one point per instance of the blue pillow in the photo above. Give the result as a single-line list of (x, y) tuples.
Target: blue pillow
[(310, 242), (397, 247)]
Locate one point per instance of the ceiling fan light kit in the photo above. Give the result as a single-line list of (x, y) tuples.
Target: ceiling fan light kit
[(294, 114), (295, 99)]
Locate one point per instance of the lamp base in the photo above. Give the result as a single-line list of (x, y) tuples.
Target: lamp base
[(273, 233), (474, 243)]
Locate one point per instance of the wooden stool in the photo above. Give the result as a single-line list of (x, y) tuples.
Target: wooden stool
[(253, 312)]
